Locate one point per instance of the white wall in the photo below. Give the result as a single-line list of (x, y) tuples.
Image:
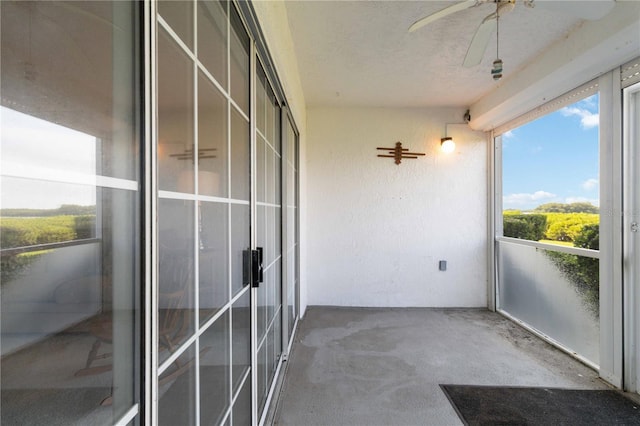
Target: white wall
[(376, 230)]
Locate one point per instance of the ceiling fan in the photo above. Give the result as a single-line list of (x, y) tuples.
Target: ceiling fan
[(583, 9)]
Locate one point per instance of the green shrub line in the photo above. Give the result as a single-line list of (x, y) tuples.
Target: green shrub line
[(28, 231)]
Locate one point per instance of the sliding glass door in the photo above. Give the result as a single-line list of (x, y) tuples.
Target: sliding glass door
[(143, 196), (219, 173), (204, 215), (70, 214)]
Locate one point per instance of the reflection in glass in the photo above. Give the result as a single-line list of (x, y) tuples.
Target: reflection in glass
[(213, 278), (261, 98), (176, 311), (175, 116), (179, 16), (177, 391), (262, 376), (215, 396), (240, 241), (212, 140), (212, 39), (239, 45), (242, 406), (241, 338), (261, 147), (544, 289), (69, 242), (240, 164)]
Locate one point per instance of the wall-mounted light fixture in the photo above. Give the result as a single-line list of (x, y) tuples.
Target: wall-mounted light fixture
[(447, 144)]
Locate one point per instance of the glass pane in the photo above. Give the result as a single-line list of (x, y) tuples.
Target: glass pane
[(270, 176), (175, 116), (215, 397), (214, 258), (78, 103), (291, 294), (271, 118), (177, 391), (553, 292), (261, 165), (261, 310), (212, 140), (212, 39), (69, 252), (262, 377), (242, 406), (270, 254), (274, 346), (278, 231), (261, 99), (179, 15), (241, 338), (550, 170), (240, 241), (278, 178), (239, 62), (240, 160), (270, 285), (176, 311)]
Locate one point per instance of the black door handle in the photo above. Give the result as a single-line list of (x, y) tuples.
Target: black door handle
[(257, 269)]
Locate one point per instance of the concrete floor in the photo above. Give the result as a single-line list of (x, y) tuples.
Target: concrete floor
[(355, 366)]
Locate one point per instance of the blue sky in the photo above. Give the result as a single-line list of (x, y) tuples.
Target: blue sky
[(553, 159)]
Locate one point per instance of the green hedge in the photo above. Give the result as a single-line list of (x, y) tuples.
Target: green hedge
[(525, 226)]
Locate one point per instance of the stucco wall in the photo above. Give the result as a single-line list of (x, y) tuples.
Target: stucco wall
[(376, 230)]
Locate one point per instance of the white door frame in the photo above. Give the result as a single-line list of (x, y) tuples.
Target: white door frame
[(631, 238)]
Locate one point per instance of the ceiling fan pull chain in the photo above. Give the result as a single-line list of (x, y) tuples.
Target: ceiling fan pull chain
[(496, 71)]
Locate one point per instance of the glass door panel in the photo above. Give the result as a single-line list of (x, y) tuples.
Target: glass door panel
[(70, 237), (204, 212), (291, 239), (269, 214)]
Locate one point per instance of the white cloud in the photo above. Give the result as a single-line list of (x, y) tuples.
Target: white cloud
[(590, 184), (524, 198), (588, 119), (508, 135)]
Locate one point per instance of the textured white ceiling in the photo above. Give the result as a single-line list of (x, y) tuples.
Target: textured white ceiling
[(360, 52)]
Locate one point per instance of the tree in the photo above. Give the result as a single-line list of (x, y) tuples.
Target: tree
[(567, 226), (580, 207)]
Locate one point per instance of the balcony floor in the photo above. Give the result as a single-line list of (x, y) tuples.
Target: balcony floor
[(370, 366)]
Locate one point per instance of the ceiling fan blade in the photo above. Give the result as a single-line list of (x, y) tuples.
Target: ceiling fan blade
[(591, 10), (480, 41), (442, 13)]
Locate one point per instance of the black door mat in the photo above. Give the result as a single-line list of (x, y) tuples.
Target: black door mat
[(499, 405)]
